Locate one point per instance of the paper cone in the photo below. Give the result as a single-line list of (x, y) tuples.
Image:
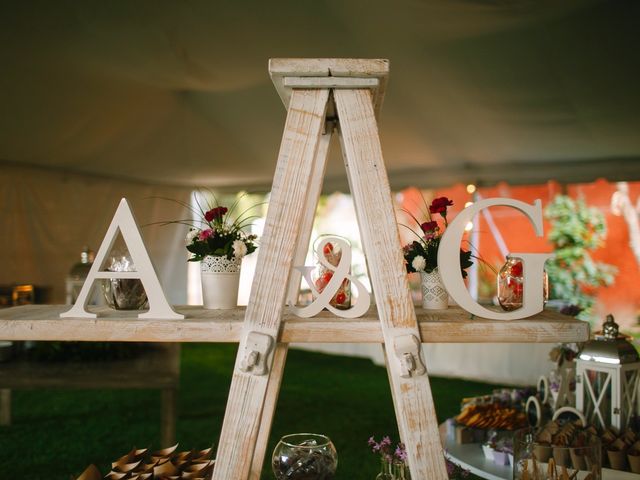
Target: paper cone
[(577, 459), (166, 469), (634, 462), (126, 467), (617, 459), (542, 452), (116, 475), (91, 473), (561, 456), (164, 453)]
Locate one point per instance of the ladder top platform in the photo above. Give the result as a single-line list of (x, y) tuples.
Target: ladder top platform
[(453, 325), (341, 69)]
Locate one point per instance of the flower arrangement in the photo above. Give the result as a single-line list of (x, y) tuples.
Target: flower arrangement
[(393, 461), (218, 234), (385, 450), (397, 460), (422, 255)]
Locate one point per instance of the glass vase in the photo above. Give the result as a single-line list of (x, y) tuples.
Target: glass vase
[(511, 285), (304, 456), (386, 470)]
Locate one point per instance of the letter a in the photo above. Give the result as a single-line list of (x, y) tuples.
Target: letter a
[(124, 221)]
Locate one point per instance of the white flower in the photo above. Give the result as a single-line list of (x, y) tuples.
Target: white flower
[(239, 249), (193, 233), (419, 263)]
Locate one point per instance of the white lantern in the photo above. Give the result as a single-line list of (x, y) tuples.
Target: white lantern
[(607, 374)]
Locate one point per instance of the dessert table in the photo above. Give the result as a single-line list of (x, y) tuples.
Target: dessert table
[(471, 457)]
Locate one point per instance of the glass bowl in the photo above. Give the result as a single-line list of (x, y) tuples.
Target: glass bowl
[(304, 456), (123, 293)]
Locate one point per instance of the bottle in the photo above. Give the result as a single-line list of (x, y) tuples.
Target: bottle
[(386, 470), (80, 270)]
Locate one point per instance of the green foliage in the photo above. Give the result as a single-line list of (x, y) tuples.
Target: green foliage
[(576, 230)]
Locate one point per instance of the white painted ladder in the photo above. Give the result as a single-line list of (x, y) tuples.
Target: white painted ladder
[(322, 95)]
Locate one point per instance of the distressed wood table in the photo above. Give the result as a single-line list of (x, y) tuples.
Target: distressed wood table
[(453, 325)]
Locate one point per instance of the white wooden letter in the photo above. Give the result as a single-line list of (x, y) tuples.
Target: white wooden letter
[(532, 263), (124, 221), (322, 300)]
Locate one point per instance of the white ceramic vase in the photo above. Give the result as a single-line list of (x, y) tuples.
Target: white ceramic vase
[(220, 279), (434, 295)]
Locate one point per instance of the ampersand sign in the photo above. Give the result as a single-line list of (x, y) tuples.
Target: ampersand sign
[(339, 272)]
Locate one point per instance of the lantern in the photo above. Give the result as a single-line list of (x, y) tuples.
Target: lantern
[(607, 379)]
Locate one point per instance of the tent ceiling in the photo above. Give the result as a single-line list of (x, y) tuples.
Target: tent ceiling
[(178, 92)]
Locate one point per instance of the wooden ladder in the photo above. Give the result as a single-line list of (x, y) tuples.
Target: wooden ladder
[(323, 95)]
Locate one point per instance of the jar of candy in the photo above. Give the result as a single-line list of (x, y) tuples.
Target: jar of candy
[(511, 284)]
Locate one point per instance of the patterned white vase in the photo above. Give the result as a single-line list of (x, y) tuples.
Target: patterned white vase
[(220, 279), (434, 295)]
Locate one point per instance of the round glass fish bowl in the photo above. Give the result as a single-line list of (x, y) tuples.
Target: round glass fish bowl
[(304, 456)]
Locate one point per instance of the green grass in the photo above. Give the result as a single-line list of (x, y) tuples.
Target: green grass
[(57, 433)]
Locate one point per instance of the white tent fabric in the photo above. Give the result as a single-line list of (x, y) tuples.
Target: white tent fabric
[(47, 218), (178, 92)]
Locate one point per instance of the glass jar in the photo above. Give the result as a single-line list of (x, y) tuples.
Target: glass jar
[(322, 275), (304, 456), (511, 285), (386, 470), (123, 293), (581, 457)]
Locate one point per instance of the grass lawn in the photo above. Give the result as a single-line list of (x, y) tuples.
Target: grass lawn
[(57, 433)]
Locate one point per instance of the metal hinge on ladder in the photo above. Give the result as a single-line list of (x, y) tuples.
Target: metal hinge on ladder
[(256, 353), (407, 349)]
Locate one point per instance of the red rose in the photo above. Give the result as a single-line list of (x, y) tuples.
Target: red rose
[(439, 205), (429, 226), (516, 270), (205, 234), (215, 213)]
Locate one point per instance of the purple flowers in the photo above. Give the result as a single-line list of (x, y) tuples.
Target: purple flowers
[(386, 451), (399, 457), (401, 452)]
